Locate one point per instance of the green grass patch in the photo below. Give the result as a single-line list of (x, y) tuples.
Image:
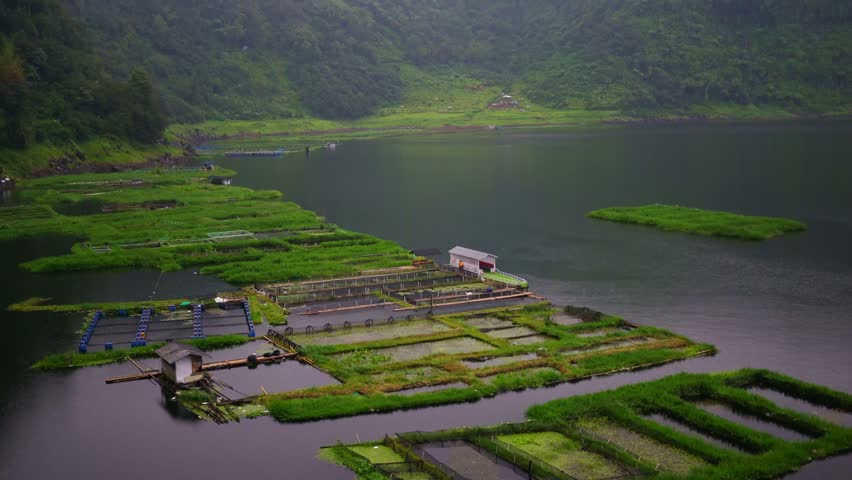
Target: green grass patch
[(701, 222), (70, 360), (565, 454), (500, 277), (305, 409), (377, 453), (184, 235), (362, 467), (22, 163), (195, 396), (39, 304)]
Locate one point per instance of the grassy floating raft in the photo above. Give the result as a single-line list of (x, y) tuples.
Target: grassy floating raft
[(614, 433), (701, 222), (171, 220), (453, 358)]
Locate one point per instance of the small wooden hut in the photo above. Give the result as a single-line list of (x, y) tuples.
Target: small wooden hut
[(181, 363)]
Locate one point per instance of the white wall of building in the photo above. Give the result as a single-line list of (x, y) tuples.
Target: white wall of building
[(183, 369), (471, 264)]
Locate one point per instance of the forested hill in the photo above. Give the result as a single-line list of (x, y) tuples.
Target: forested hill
[(259, 59), (52, 86), (342, 58)]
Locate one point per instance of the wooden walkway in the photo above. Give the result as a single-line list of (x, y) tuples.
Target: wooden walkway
[(134, 377), (243, 362), (240, 362)]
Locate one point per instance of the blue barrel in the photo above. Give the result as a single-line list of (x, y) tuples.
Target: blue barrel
[(108, 346)]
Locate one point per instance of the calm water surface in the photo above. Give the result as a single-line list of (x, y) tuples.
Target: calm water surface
[(785, 304)]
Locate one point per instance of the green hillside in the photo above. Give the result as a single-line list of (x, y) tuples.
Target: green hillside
[(254, 59), (53, 91), (71, 68)]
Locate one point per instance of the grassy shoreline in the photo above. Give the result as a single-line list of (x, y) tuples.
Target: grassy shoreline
[(701, 222), (421, 120), (98, 154)]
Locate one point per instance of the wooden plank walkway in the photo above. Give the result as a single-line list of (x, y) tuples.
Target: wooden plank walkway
[(134, 377), (240, 362)]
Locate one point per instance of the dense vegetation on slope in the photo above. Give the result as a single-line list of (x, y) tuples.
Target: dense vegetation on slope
[(72, 70), (239, 59), (52, 88), (344, 58)]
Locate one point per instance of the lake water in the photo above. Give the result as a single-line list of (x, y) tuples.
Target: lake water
[(785, 304)]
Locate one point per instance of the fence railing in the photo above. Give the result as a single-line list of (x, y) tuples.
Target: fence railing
[(347, 280), (461, 271), (512, 276), (282, 340)]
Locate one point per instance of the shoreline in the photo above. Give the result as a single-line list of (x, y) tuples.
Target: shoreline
[(99, 155), (196, 134)]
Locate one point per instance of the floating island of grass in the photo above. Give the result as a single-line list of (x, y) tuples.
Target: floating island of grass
[(701, 222), (656, 429), (173, 219)]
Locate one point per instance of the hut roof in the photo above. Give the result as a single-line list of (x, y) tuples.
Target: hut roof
[(467, 252), (174, 351)]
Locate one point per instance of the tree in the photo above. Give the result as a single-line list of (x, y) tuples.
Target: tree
[(142, 113)]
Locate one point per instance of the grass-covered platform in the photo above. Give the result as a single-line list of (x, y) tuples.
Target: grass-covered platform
[(465, 357), (701, 222), (619, 432), (174, 219)]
